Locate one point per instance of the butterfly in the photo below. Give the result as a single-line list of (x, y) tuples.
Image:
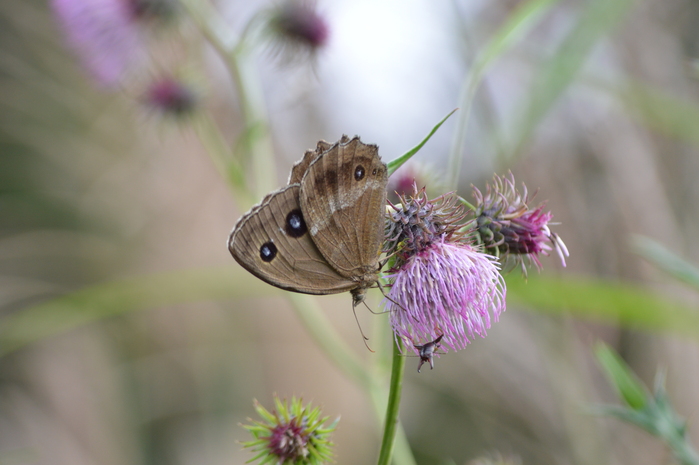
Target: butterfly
[(321, 233)]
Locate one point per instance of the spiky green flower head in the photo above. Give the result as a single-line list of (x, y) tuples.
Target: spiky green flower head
[(292, 434), (508, 228)]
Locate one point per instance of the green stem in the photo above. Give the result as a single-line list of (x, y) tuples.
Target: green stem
[(391, 422), (326, 337), (255, 144), (220, 152), (682, 449), (383, 339), (255, 141)]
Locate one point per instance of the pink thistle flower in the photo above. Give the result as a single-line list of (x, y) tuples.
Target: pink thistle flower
[(104, 35), (171, 96), (447, 288), (441, 285), (296, 27), (507, 227)]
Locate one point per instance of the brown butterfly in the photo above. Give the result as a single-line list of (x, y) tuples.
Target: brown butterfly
[(322, 233)]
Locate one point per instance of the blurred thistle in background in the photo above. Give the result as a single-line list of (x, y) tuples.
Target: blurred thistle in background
[(128, 337), (296, 27), (402, 182), (171, 96), (105, 34)]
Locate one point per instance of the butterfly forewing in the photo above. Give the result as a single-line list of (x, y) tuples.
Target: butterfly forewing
[(343, 197), (272, 242), (301, 166)]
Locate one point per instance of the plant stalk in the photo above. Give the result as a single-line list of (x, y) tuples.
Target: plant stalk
[(394, 395)]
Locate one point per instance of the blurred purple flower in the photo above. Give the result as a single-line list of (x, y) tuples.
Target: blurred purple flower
[(104, 35), (296, 27), (171, 96), (507, 227), (402, 181), (159, 10), (440, 283)]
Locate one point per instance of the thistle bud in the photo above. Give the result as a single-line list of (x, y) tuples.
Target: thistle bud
[(509, 228), (292, 434)]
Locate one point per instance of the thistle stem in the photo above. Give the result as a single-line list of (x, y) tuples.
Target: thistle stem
[(254, 146), (394, 394)]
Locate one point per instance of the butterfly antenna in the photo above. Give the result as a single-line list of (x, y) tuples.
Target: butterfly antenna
[(375, 313), (364, 338)]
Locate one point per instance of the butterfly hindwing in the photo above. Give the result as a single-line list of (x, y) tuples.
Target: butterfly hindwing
[(273, 243)]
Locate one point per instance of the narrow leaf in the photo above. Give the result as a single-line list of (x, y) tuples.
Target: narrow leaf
[(627, 385), (598, 18), (666, 260), (394, 164), (617, 304)]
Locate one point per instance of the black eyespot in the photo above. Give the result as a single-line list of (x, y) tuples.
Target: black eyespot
[(359, 173), (294, 225), (268, 251), (373, 173)]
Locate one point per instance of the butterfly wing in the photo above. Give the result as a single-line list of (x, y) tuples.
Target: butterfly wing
[(271, 241), (343, 199), (301, 166)]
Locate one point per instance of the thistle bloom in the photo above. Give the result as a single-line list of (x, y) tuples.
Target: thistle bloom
[(297, 26), (441, 285), (104, 35), (507, 227), (171, 96), (290, 435)]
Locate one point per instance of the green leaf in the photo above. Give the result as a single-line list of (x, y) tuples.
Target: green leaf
[(638, 418), (619, 304), (118, 297), (396, 163), (613, 303), (621, 377), (666, 260)]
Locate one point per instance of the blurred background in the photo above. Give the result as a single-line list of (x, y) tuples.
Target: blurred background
[(157, 358)]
